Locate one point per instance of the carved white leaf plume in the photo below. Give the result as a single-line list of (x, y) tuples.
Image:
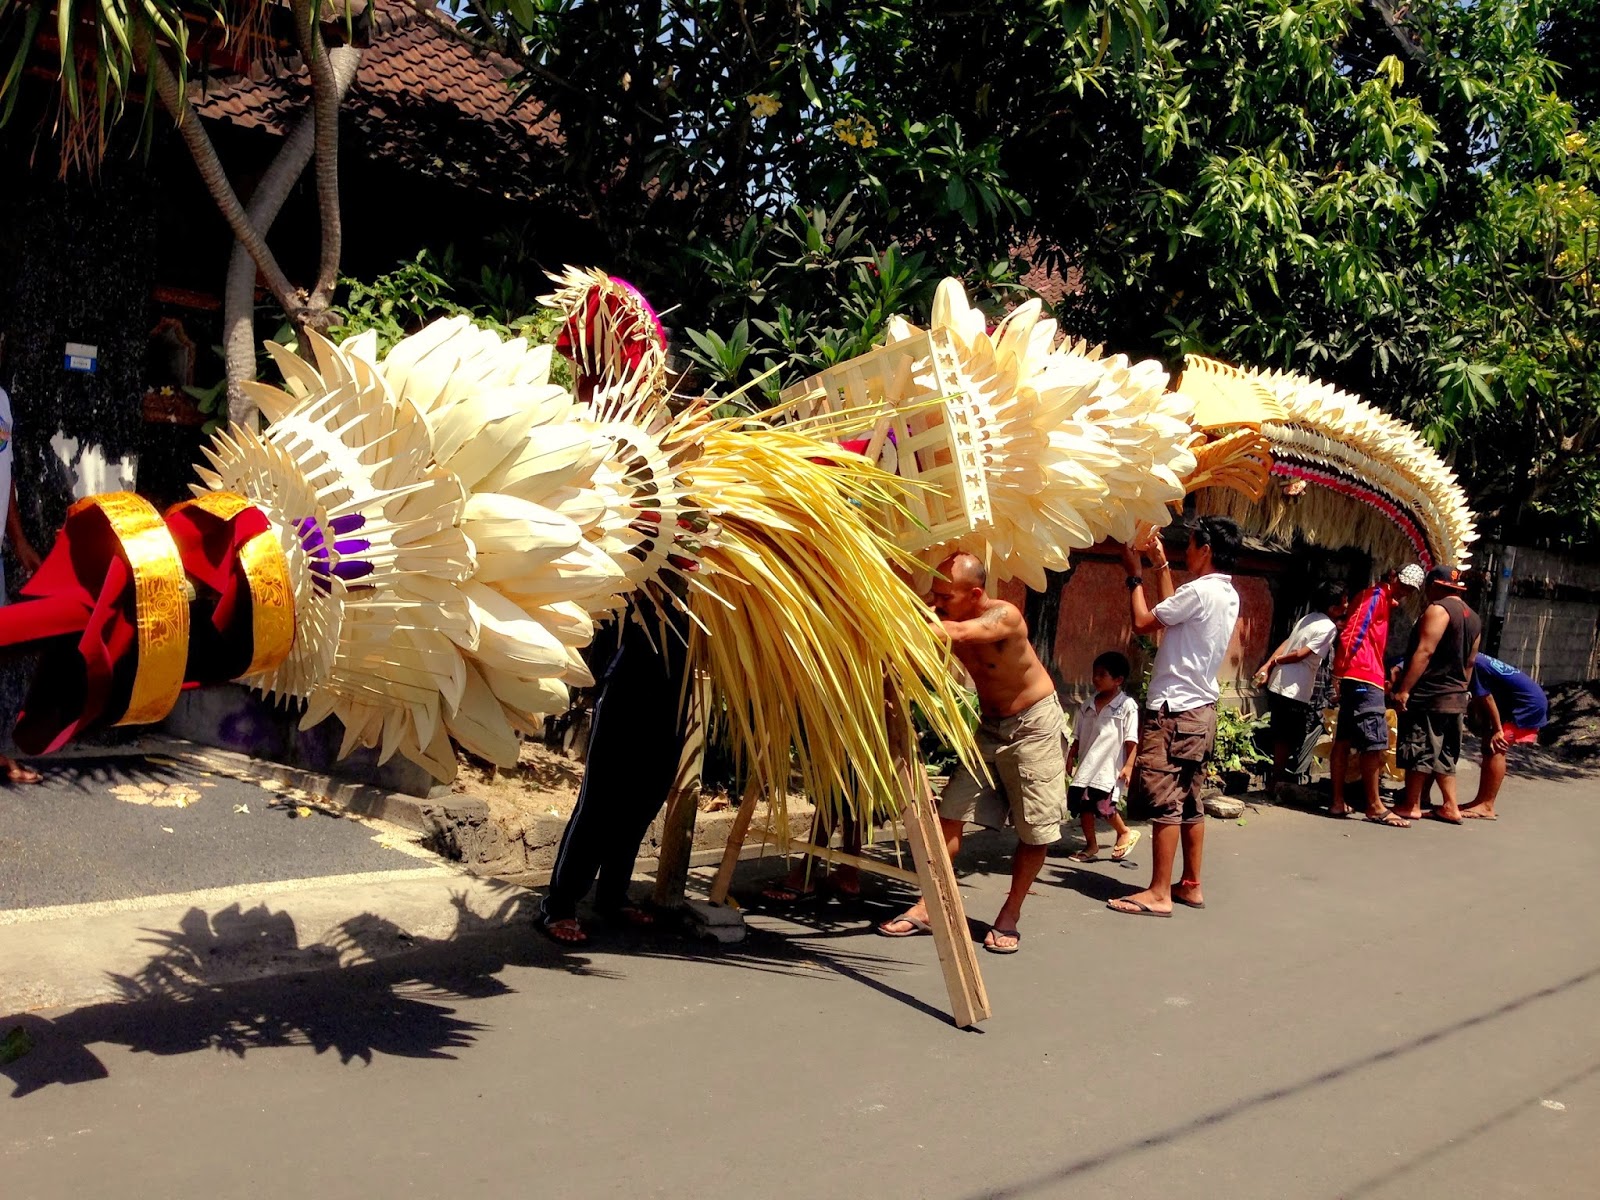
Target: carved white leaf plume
[(434, 506), (1075, 447)]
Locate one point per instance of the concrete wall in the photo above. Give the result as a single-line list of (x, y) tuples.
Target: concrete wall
[(230, 716), (1550, 605)]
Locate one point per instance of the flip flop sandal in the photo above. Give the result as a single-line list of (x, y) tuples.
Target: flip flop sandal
[(1010, 933), (1177, 899), (788, 897), (1118, 853), (1433, 814), (545, 925), (917, 927), (1392, 821), (1138, 910), (631, 916), (1083, 856)]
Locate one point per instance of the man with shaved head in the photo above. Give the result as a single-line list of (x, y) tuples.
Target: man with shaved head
[(1022, 736)]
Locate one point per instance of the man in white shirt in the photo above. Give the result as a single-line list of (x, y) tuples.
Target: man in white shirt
[(11, 770), (1181, 725), (1290, 676)]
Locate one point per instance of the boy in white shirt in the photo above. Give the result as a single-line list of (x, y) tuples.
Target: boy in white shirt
[(1105, 739)]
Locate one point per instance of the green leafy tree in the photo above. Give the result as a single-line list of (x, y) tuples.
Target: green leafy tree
[(109, 54)]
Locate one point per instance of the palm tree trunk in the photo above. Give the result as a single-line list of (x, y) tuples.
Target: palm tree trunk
[(325, 98), (238, 302), (212, 174)]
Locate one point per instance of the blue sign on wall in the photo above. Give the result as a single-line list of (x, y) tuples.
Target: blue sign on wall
[(82, 357)]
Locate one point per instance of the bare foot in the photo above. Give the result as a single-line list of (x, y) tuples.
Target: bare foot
[(1002, 941), (1339, 810), (1404, 814), (908, 924), (564, 931), (793, 890)]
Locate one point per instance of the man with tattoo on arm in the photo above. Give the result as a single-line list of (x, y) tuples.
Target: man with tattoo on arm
[(1021, 734)]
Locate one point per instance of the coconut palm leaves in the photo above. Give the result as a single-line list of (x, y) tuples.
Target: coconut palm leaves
[(1350, 474), (804, 625)]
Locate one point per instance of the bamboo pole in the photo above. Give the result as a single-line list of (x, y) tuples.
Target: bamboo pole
[(947, 918), (683, 803), (736, 836)]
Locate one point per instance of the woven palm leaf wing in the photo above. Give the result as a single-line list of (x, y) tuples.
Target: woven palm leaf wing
[(433, 508), (1348, 474), (1075, 447)]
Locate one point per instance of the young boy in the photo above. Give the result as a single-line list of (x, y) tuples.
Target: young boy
[(1105, 740)]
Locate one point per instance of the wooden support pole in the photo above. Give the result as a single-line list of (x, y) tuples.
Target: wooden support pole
[(736, 836), (969, 1000), (683, 803), (875, 865)]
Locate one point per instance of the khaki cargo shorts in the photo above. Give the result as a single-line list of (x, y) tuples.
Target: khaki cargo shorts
[(1026, 756)]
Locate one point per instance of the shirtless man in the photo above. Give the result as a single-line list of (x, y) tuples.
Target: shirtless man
[(1022, 736)]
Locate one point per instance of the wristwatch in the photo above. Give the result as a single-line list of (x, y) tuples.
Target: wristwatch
[(1135, 581)]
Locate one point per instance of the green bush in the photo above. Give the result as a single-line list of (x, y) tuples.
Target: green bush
[(1236, 748)]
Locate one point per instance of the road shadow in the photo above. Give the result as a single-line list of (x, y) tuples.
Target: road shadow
[(190, 997), (365, 989), (95, 774)]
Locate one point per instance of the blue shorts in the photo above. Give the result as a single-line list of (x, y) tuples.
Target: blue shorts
[(1362, 722)]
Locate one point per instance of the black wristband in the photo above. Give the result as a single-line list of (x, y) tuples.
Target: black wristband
[(1135, 581)]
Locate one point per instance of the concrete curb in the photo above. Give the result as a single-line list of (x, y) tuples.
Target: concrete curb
[(177, 947)]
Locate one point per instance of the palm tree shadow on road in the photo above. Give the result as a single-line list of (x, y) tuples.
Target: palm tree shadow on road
[(366, 989)]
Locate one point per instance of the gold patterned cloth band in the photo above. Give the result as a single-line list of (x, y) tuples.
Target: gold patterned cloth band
[(161, 602), (266, 570)]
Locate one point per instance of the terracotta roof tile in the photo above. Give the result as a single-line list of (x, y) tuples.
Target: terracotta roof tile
[(421, 98)]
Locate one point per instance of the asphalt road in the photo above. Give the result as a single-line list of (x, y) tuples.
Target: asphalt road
[(1360, 1012), (108, 828)]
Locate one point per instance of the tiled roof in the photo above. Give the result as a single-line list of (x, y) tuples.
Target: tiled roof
[(421, 98), (1049, 285)]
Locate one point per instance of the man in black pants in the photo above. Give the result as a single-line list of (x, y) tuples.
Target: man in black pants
[(635, 742)]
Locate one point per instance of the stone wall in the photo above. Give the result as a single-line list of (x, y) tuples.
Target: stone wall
[(1547, 609)]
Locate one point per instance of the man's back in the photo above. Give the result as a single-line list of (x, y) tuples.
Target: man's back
[(1521, 701)]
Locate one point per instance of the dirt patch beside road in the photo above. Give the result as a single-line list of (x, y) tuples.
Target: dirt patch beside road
[(1574, 729)]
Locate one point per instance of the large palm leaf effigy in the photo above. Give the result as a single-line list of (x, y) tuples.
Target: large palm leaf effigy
[(1342, 474), (421, 543)]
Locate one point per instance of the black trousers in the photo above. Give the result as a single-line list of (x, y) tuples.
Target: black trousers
[(635, 741)]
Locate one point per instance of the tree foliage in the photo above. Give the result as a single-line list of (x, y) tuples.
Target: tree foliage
[(1359, 189)]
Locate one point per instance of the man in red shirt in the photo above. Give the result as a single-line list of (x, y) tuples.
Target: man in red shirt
[(1358, 668)]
